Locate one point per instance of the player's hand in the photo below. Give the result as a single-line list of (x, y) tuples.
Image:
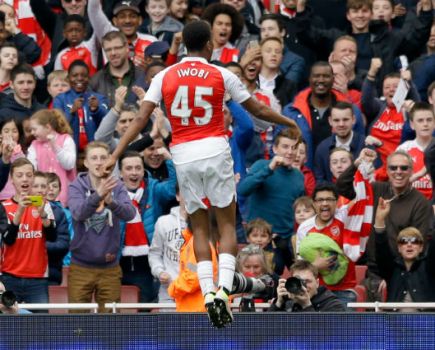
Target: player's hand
[(107, 167), (93, 103), (120, 94), (78, 103), (164, 278), (276, 162)]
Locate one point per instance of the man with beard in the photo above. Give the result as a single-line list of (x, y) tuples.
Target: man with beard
[(118, 71), (311, 108)]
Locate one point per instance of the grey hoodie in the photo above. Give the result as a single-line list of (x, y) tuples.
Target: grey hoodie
[(96, 241)]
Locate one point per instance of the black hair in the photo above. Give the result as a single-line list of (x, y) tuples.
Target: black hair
[(2, 18), (325, 186), (320, 64), (22, 69), (196, 35), (156, 63), (77, 63), (233, 64), (216, 9), (343, 105), (129, 154), (274, 17), (74, 18)]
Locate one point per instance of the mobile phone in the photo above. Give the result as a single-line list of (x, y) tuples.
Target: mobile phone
[(253, 44), (36, 201)]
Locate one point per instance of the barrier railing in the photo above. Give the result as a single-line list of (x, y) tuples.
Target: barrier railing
[(379, 306), (53, 306)]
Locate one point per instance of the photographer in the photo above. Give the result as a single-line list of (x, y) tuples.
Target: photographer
[(301, 292)]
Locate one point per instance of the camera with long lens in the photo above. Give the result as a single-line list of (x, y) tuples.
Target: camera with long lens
[(8, 298), (294, 285)]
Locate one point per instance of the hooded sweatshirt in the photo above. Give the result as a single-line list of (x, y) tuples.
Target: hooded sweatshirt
[(97, 237), (10, 107)]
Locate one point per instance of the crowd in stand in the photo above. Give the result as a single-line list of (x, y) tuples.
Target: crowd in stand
[(352, 186)]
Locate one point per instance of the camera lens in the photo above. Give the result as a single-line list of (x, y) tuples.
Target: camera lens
[(294, 285), (8, 298)]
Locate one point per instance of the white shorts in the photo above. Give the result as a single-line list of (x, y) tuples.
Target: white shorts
[(211, 178)]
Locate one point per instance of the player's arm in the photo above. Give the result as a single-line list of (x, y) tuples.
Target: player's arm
[(139, 122), (266, 113)]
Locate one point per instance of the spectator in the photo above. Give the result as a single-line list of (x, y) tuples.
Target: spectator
[(292, 65), (53, 23), (179, 10), (161, 24), (409, 276), (24, 44), (8, 60), (311, 108), (11, 310), (148, 197), (119, 71), (422, 120), (53, 149), (127, 19), (57, 83), (97, 205), (226, 26), (83, 107), (270, 77), (164, 255), (267, 185), (57, 249), (259, 233), (312, 297), (24, 253), (408, 205), (21, 104), (341, 83), (299, 163), (74, 31), (341, 121), (386, 122), (12, 135), (324, 239)]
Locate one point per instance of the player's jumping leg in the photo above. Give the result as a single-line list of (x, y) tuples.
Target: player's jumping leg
[(201, 245), (226, 220)]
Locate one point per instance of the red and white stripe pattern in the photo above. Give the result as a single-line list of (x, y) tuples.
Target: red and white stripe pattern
[(358, 225)]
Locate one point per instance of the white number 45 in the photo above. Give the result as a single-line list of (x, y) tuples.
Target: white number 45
[(180, 105)]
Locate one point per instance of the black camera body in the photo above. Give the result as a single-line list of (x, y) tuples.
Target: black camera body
[(8, 298), (294, 285)]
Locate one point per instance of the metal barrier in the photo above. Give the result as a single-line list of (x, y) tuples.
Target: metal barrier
[(378, 306), (72, 306)]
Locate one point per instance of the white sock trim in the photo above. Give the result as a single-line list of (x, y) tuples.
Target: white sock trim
[(205, 276)]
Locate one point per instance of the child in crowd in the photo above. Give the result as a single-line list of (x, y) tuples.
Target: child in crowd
[(53, 149), (74, 31), (83, 108), (259, 232), (161, 24), (299, 163), (422, 121), (57, 249), (304, 209), (8, 60), (11, 133), (57, 83), (53, 189)]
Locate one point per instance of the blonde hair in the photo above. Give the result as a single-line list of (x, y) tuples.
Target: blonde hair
[(250, 250), (57, 74), (96, 144), (410, 232), (55, 118)]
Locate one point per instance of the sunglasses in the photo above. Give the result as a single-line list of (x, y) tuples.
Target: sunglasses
[(412, 240), (70, 1), (401, 167)]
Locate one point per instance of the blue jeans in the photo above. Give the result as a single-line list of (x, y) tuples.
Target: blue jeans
[(345, 296), (28, 290)]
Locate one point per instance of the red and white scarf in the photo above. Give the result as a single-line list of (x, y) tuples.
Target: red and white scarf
[(358, 225), (136, 240)]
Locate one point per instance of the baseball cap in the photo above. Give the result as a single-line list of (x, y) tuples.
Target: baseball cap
[(156, 48), (126, 5)]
